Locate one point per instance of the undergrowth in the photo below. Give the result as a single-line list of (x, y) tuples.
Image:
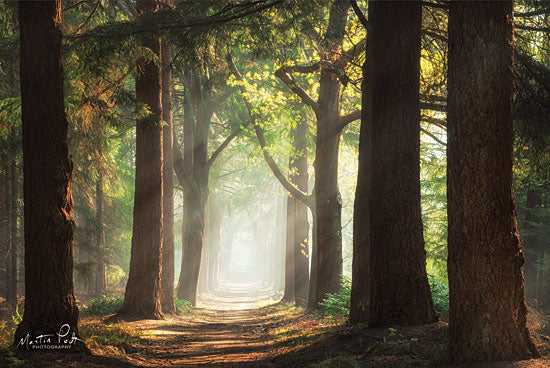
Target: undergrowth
[(108, 304), (111, 338), (182, 305)]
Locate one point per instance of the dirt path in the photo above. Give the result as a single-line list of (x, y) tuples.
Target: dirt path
[(211, 338)]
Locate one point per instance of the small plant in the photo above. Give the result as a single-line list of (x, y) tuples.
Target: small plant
[(337, 305), (440, 294), (182, 305), (109, 304), (112, 338)]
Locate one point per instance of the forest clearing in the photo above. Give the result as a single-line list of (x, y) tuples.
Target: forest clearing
[(275, 183)]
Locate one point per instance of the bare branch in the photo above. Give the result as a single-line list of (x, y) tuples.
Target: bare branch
[(226, 142), (433, 137)]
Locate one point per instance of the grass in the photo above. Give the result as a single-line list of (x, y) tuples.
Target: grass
[(111, 338)]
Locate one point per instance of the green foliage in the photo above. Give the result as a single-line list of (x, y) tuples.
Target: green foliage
[(337, 305), (7, 330), (108, 304), (440, 294), (183, 306)]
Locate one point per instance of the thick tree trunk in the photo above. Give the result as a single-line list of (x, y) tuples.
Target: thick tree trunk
[(328, 202), (167, 279), (49, 224), (142, 298), (12, 285), (389, 266), (4, 228), (101, 286), (487, 317)]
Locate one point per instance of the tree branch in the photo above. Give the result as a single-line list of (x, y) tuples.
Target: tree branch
[(295, 192), (225, 143), (346, 119), (433, 106), (360, 15), (350, 54), (433, 136), (299, 91)]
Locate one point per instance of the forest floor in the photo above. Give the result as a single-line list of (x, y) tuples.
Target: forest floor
[(274, 336)]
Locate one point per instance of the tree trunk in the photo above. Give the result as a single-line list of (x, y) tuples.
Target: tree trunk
[(487, 317), (167, 279), (289, 293), (193, 238), (49, 224), (301, 224), (142, 298), (101, 286), (328, 202), (389, 265), (12, 285)]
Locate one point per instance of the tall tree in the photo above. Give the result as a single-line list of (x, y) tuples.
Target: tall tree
[(487, 317), (390, 285), (142, 298), (49, 224), (167, 279)]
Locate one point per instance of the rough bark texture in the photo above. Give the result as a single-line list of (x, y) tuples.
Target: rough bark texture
[(327, 257), (487, 317), (167, 279), (142, 298), (389, 266), (49, 225)]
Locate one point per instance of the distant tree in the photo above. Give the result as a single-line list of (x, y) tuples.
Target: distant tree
[(487, 318), (142, 298), (390, 285), (167, 279), (49, 225)]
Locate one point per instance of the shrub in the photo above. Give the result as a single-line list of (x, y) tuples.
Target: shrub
[(440, 294), (337, 305), (109, 304), (182, 305)]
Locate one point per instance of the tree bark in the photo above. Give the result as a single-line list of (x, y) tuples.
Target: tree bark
[(328, 202), (390, 285), (487, 317), (47, 187), (167, 279), (142, 298)]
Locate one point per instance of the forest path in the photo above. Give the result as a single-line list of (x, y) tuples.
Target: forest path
[(212, 338)]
